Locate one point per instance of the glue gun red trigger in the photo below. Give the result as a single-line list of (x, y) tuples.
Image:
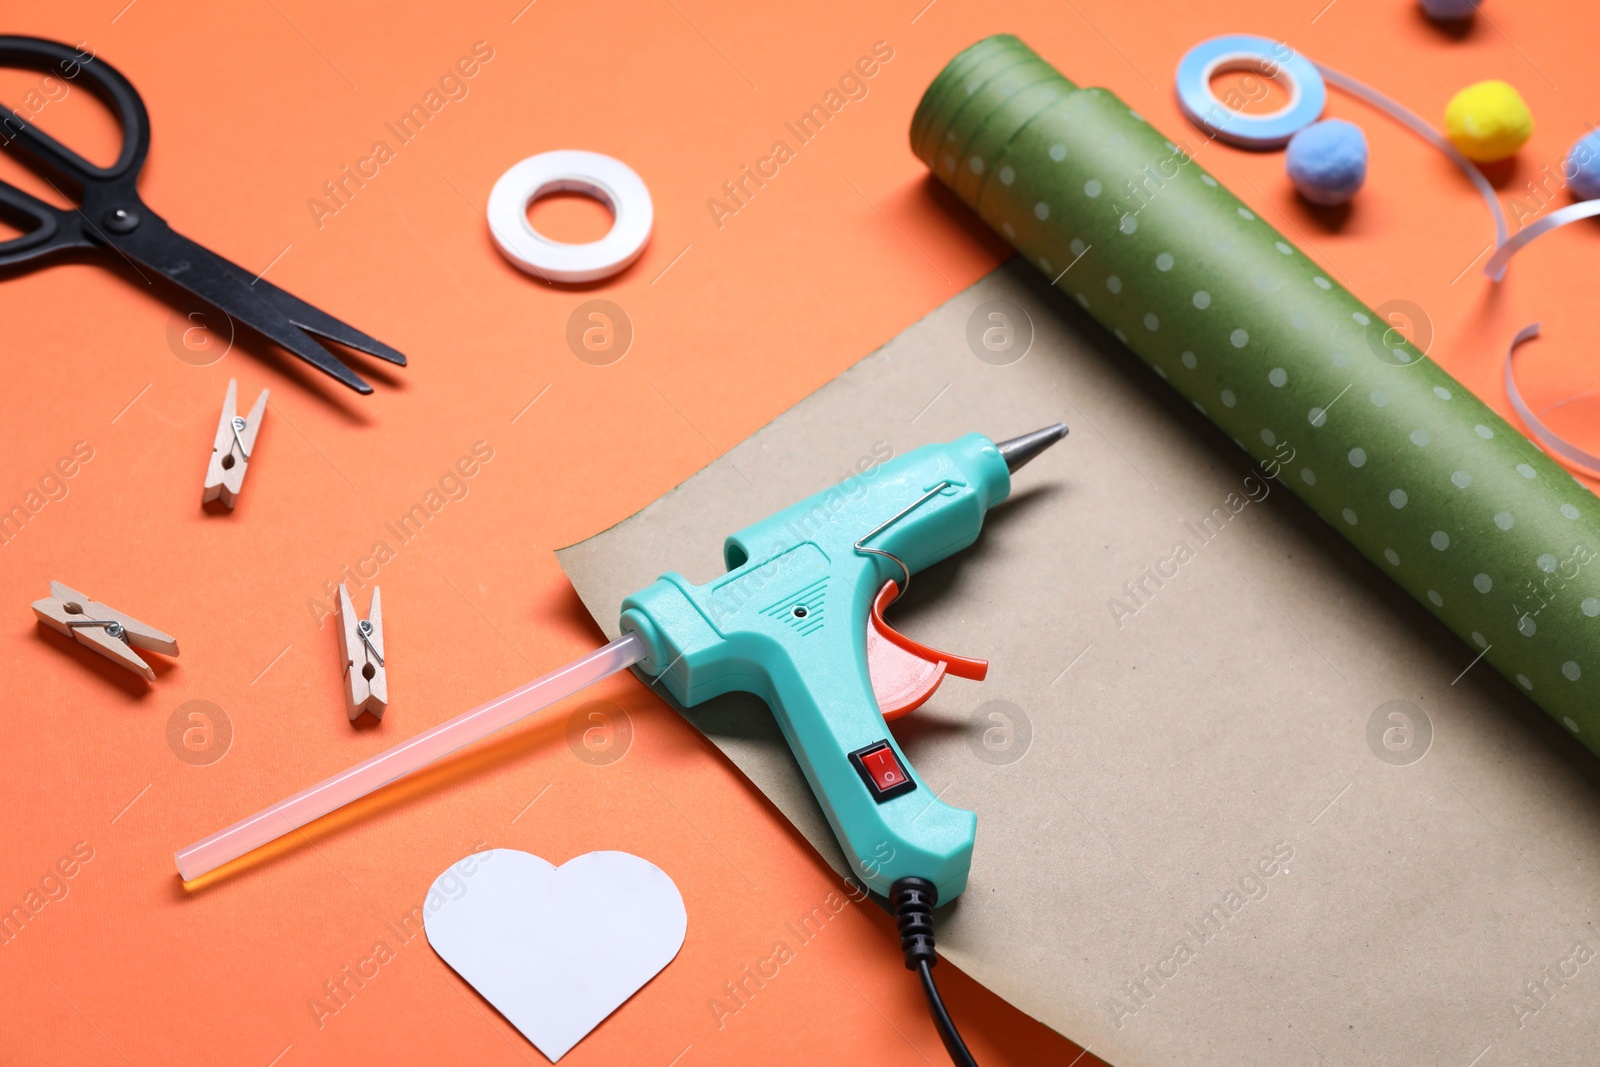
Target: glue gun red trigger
[(905, 672)]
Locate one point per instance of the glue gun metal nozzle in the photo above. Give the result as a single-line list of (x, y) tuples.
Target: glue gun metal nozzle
[(1020, 450)]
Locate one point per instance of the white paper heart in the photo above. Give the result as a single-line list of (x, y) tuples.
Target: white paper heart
[(555, 949)]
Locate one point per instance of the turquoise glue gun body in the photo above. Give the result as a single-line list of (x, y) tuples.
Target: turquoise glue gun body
[(797, 621)]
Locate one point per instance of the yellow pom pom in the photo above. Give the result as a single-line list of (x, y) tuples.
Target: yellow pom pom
[(1488, 121)]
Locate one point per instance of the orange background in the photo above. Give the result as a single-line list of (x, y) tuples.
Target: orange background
[(253, 107)]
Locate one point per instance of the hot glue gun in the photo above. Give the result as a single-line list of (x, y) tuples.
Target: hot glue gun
[(798, 621)]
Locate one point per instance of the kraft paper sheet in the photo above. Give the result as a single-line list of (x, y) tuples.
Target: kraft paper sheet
[(1240, 798)]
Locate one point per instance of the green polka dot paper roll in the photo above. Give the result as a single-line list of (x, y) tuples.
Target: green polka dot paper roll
[(1448, 499)]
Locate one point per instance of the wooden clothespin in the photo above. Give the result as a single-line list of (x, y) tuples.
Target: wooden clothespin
[(230, 452), (104, 629), (366, 685)]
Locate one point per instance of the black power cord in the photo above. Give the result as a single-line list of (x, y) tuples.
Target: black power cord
[(912, 900)]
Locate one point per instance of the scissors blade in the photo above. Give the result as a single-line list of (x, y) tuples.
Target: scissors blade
[(315, 320), (220, 283)]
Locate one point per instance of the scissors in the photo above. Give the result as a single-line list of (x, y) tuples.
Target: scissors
[(111, 217)]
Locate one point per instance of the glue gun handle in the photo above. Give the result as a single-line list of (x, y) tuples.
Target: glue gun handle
[(890, 822)]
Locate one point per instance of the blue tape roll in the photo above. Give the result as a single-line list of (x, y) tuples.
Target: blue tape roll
[(1245, 51)]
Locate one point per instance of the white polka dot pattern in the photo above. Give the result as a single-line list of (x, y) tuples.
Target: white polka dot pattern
[(1448, 499)]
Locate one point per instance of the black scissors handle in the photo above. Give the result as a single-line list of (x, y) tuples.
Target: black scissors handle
[(100, 190)]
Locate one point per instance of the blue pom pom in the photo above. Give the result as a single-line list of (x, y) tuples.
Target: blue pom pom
[(1327, 161), (1449, 10), (1583, 167)]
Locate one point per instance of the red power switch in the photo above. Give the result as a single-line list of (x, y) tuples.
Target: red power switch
[(881, 771)]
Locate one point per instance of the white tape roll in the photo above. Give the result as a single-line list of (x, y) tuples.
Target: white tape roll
[(610, 181)]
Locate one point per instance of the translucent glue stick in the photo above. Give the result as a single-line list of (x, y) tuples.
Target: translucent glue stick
[(406, 757)]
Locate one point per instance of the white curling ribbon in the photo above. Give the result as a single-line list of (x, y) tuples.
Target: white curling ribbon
[(1586, 462), (1406, 117), (1496, 267)]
